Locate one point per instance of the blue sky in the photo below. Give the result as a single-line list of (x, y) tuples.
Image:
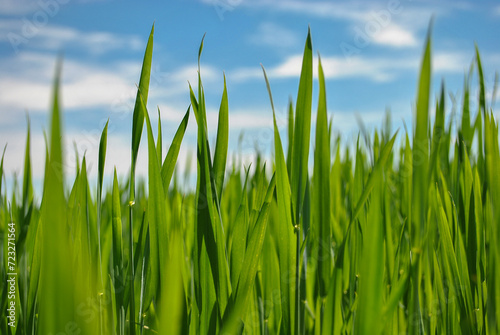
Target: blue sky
[(370, 51)]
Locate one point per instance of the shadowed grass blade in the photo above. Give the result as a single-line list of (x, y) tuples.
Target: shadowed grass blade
[(219, 168), (321, 185), (420, 180), (249, 267)]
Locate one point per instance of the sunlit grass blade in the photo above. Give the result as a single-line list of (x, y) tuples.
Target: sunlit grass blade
[(302, 129), (218, 259), (56, 283), (300, 160), (239, 236), (168, 166), (286, 245), (372, 269), (173, 304), (156, 214), (137, 125), (138, 116)]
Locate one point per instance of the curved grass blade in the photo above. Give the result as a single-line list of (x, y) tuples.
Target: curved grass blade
[(138, 117), (137, 125), (167, 169)]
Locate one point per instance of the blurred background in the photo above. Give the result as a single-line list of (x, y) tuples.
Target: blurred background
[(370, 51)]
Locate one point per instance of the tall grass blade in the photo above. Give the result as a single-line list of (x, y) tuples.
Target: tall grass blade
[(322, 186), (56, 297), (167, 169), (420, 181), (286, 246), (138, 116), (221, 145)]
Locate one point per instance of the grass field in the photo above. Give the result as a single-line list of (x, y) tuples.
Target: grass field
[(400, 236)]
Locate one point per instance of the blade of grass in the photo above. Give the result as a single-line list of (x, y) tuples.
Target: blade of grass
[(322, 186), (238, 303), (168, 166), (137, 125), (221, 145), (286, 246), (138, 117), (420, 181), (100, 175), (56, 283)]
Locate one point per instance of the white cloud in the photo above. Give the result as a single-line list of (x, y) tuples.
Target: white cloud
[(274, 35), (334, 68), (380, 69), (395, 36), (451, 62), (84, 85), (396, 23), (22, 34), (26, 84)]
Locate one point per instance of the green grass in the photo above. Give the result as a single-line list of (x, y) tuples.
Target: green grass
[(400, 236)]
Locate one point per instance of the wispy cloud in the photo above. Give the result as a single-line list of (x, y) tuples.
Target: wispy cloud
[(273, 35), (22, 36), (84, 85), (27, 78), (379, 69)]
